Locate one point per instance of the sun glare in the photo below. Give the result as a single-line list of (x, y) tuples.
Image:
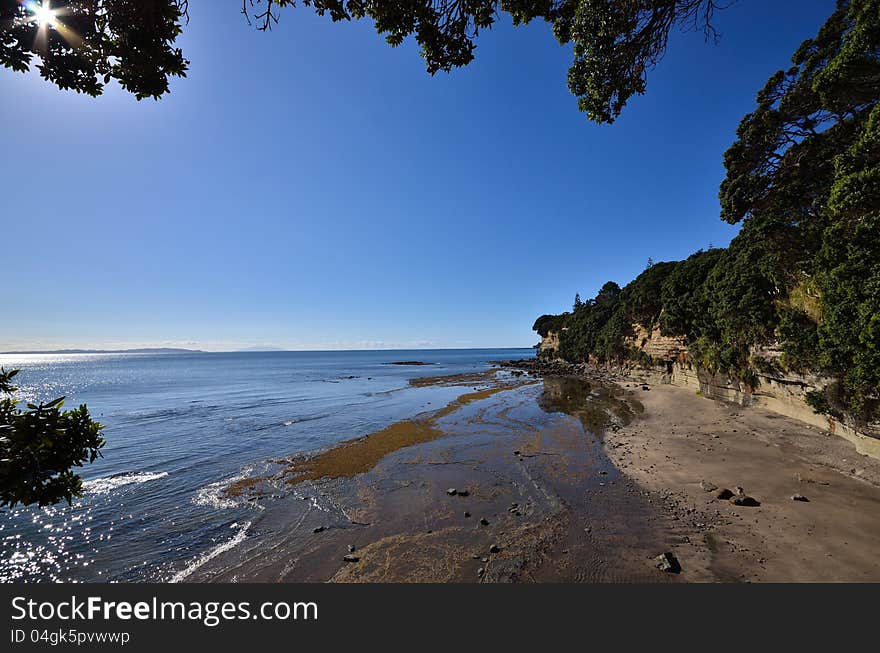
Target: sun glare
[(44, 14)]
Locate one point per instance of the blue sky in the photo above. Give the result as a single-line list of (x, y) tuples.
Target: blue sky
[(314, 188)]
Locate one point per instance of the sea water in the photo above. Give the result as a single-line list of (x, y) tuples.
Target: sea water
[(180, 428)]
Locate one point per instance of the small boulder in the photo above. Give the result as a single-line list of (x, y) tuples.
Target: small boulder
[(467, 514), (484, 522), (494, 549), (452, 491), (350, 558), (799, 497), (706, 486), (463, 493), (351, 548), (724, 494), (745, 500), (320, 529), (668, 562)]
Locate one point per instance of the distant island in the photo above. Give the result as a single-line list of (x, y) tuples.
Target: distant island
[(147, 350)]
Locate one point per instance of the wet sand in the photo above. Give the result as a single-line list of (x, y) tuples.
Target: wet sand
[(566, 479)]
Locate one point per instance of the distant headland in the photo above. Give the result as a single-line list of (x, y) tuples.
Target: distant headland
[(148, 350)]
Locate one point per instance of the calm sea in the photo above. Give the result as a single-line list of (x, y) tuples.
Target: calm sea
[(182, 426)]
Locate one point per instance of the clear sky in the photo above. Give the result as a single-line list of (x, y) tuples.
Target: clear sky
[(314, 188)]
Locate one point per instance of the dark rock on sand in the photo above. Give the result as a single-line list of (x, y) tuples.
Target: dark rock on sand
[(745, 500), (484, 522), (320, 529), (463, 493), (799, 497), (724, 494), (350, 558), (351, 548), (467, 514), (451, 491), (494, 548), (668, 562)]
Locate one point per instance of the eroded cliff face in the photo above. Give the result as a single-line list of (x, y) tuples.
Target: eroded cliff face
[(549, 346), (781, 392), (656, 345)]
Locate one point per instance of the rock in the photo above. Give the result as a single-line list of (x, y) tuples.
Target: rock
[(745, 500), (467, 514), (799, 497), (516, 452), (463, 493), (452, 491), (494, 549), (350, 558), (320, 529), (724, 494), (738, 491), (707, 486), (481, 571), (351, 548), (484, 522), (668, 562)]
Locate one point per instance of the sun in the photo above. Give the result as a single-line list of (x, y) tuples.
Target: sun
[(44, 14)]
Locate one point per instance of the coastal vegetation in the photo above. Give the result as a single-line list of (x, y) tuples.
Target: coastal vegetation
[(40, 445), (84, 44), (803, 179)]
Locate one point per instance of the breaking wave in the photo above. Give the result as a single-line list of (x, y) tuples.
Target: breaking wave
[(109, 483)]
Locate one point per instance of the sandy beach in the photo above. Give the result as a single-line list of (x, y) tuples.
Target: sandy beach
[(566, 479)]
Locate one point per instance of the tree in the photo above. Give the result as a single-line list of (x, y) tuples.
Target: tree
[(83, 44), (88, 42), (40, 445)]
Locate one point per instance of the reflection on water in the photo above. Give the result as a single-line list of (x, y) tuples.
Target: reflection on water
[(598, 406)]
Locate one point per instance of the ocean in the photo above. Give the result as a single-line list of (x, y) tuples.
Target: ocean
[(180, 428)]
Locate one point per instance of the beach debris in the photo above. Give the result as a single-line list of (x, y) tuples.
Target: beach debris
[(668, 563), (707, 486), (320, 529), (451, 491), (724, 494), (484, 521), (799, 497), (349, 557), (494, 549)]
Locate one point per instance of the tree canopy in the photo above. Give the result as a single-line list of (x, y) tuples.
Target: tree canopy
[(803, 178), (83, 44), (38, 447)]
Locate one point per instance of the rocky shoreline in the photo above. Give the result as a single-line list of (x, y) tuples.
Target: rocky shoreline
[(547, 471)]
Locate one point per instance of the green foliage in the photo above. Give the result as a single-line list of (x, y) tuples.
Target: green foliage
[(547, 323), (38, 447), (614, 43), (94, 41), (684, 309), (803, 177)]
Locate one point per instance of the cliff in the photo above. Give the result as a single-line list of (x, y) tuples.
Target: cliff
[(780, 392)]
